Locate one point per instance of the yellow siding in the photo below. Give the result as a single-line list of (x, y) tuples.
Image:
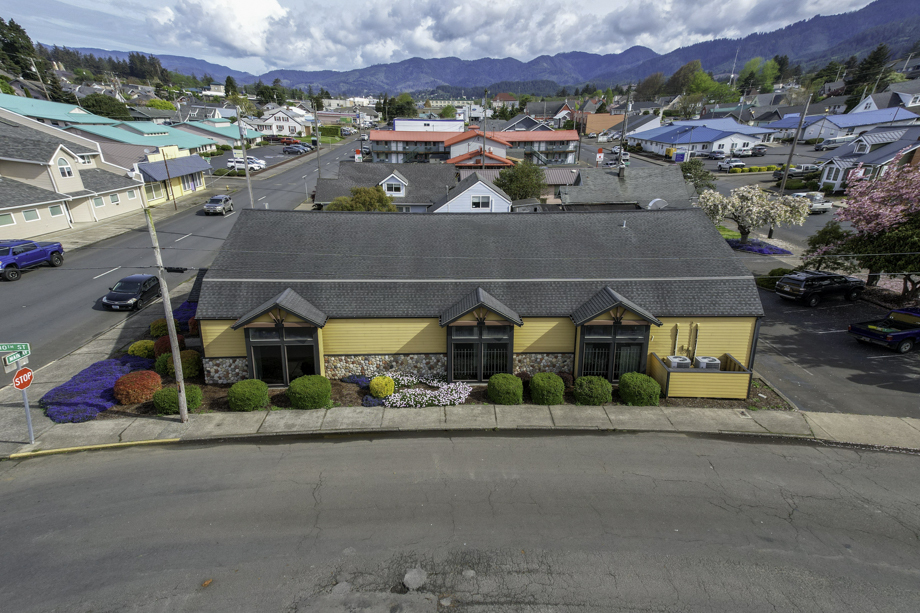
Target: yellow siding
[(220, 341), (715, 336), (322, 360), (545, 335), (708, 385), (373, 336), (659, 373), (490, 316), (267, 318)]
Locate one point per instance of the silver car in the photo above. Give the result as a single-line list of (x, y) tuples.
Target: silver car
[(221, 204)]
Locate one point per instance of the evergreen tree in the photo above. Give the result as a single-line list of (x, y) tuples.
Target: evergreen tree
[(871, 71), (679, 81), (230, 86)]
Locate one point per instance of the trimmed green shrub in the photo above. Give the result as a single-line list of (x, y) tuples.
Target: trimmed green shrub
[(735, 170), (547, 388), (221, 172), (166, 400), (248, 395), (310, 392), (162, 345), (505, 389), (639, 390), (769, 281), (191, 364), (812, 186), (381, 387), (161, 366), (159, 328), (771, 167), (593, 390), (137, 386), (142, 349)]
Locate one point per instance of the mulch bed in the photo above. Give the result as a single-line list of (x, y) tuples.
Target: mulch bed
[(887, 298)]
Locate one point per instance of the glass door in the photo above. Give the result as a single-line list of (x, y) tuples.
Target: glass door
[(267, 364)]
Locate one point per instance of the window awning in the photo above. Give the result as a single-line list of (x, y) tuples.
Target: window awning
[(474, 300), (290, 301), (607, 300)]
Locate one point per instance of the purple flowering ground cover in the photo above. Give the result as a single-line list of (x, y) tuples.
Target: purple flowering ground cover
[(90, 391), (185, 312), (359, 380), (756, 246)]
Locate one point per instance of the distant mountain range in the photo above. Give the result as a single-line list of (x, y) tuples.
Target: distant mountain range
[(813, 41)]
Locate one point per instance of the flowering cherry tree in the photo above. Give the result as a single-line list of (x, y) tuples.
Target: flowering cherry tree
[(750, 207), (885, 214)]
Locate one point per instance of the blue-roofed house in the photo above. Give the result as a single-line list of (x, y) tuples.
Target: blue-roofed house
[(691, 136), (220, 131), (832, 126), (868, 156), (55, 114)]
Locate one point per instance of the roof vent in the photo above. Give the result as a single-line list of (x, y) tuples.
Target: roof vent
[(657, 204)]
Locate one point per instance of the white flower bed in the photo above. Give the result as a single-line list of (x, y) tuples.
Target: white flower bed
[(446, 394)]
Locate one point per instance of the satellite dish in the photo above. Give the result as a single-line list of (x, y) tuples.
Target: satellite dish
[(657, 204)]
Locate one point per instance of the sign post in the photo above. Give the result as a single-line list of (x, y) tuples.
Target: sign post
[(23, 377), (600, 157)]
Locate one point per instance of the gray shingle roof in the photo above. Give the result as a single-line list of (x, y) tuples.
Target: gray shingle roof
[(671, 262), (906, 87), (892, 140), (427, 182), (466, 183), (178, 167), (607, 300), (639, 185), (475, 299), (21, 142), (101, 181), (16, 193), (290, 301)]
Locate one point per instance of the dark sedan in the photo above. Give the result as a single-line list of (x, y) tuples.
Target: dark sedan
[(132, 293)]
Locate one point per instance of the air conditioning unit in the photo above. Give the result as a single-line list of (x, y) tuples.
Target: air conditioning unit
[(678, 361), (706, 361)]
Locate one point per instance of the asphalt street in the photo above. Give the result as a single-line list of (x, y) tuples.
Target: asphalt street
[(57, 310), (645, 522)]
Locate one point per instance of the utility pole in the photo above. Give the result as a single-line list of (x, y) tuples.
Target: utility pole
[(239, 125), (795, 139), (40, 80), (319, 141), (623, 131), (170, 324)]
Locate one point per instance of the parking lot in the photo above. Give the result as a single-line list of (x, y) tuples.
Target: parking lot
[(270, 153), (809, 356), (776, 154)]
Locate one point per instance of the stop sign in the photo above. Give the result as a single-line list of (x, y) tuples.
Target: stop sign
[(23, 378)]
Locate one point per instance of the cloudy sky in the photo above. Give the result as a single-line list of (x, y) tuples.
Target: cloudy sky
[(260, 35)]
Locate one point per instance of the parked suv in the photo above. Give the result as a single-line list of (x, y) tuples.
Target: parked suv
[(811, 286), (799, 170), (295, 149), (716, 155), (218, 204), (759, 150)]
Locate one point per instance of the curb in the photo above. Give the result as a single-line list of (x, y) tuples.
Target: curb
[(355, 433), (777, 391)]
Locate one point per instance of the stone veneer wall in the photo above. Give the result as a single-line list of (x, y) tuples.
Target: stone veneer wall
[(225, 370), (544, 362), (420, 364)]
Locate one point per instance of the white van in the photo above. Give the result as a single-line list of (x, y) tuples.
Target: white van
[(833, 143)]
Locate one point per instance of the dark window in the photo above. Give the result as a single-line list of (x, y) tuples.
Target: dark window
[(267, 364), (612, 351), (280, 354), (477, 352)]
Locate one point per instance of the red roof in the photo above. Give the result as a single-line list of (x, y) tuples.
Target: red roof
[(450, 138), (408, 135), (505, 97), (498, 137), (463, 160)]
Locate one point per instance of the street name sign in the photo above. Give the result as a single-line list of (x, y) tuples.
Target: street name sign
[(15, 357), (14, 347)]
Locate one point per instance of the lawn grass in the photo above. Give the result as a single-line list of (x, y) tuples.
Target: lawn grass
[(726, 233)]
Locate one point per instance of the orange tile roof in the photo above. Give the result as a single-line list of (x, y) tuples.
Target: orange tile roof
[(408, 135), (459, 138), (460, 159)]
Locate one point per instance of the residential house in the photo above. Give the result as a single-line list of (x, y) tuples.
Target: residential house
[(554, 176), (910, 67), (835, 88), (220, 131), (556, 112), (642, 107), (214, 90), (833, 126), (787, 126), (888, 100), (28, 88), (629, 188), (467, 296), (282, 122), (473, 194), (413, 187), (504, 99), (869, 155), (523, 123), (635, 124), (905, 87), (55, 114), (196, 110), (171, 173), (51, 179), (157, 116), (835, 105)]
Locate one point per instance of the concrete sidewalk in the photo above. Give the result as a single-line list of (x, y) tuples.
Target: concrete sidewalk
[(886, 432)]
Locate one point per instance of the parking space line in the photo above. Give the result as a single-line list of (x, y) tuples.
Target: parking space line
[(182, 237), (107, 272), (264, 197), (881, 357), (830, 331), (229, 214)]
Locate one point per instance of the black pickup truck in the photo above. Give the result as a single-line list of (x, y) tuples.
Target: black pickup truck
[(900, 330)]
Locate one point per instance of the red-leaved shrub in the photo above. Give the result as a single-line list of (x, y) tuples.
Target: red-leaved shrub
[(162, 346), (193, 327), (137, 386)]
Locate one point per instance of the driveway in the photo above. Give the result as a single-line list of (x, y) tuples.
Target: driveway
[(809, 356)]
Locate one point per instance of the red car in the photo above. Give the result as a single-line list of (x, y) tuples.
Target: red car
[(289, 141)]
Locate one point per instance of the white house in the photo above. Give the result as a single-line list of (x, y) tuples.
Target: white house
[(872, 153), (428, 125), (281, 122), (473, 195)]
